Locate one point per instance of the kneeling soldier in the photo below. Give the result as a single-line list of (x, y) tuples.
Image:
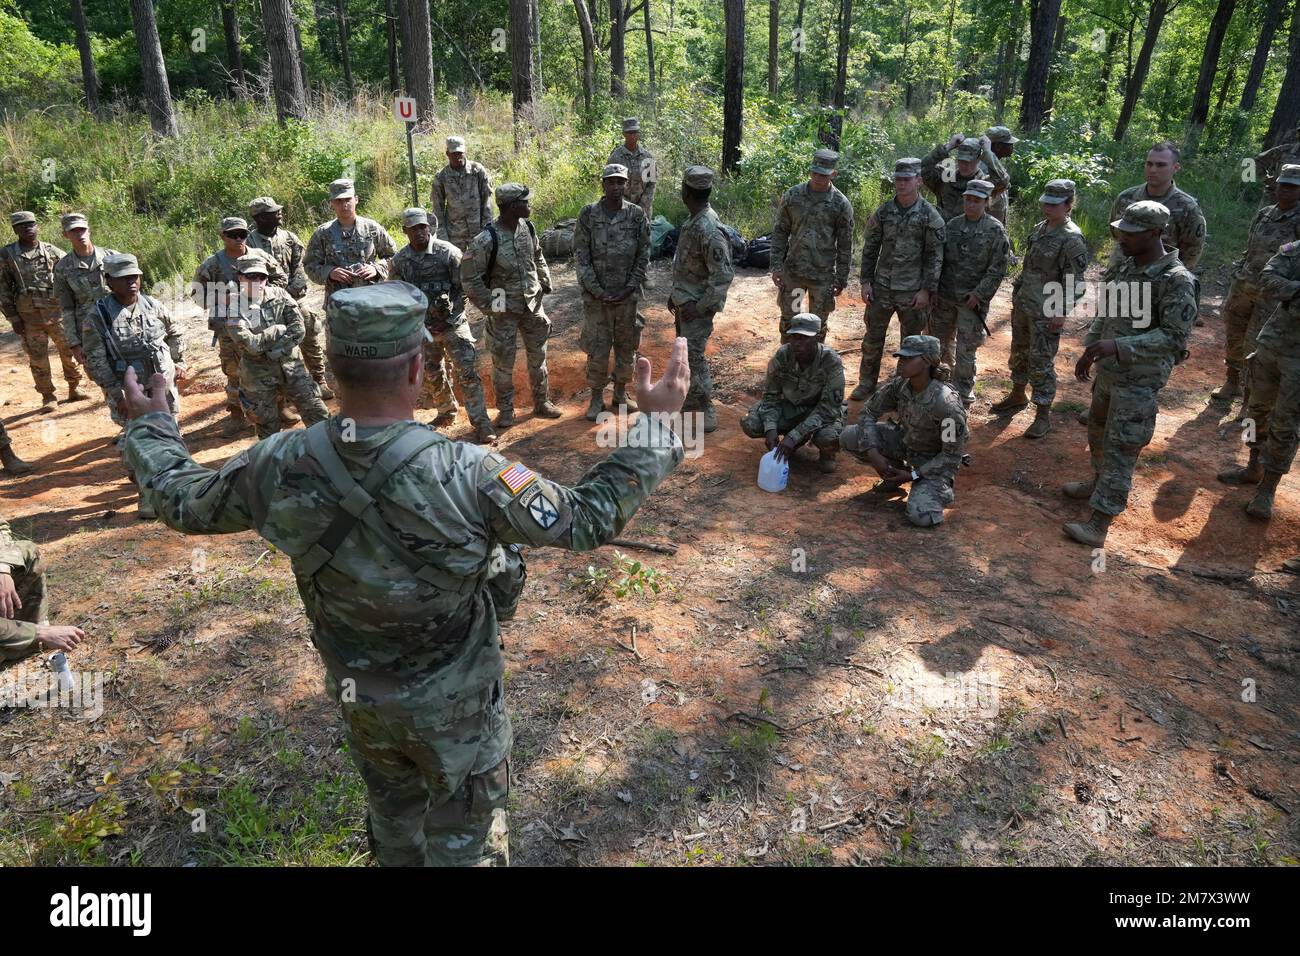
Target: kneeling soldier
[(23, 602)]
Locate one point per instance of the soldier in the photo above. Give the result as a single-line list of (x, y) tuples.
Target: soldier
[(1134, 349), (611, 252), (803, 396), (266, 326), (287, 250), (1244, 309), (975, 256), (505, 275), (349, 250), (1274, 399), (27, 299), (128, 329), (901, 259), (433, 266), (925, 444), (642, 167), (1002, 143), (702, 274), (404, 591), (24, 602), (947, 177), (1186, 229), (1047, 290), (213, 287), (1271, 161), (460, 197), (812, 244), (79, 279), (10, 463)]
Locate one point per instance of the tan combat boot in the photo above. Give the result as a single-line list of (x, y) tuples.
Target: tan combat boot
[(596, 405), (621, 398), (1230, 389), (1261, 506), (483, 434), (1016, 399), (1091, 532), (13, 465), (445, 418), (1042, 423), (826, 463), (710, 418), (1249, 475), (547, 409)]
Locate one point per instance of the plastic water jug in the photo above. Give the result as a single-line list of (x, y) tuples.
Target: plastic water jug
[(772, 474)]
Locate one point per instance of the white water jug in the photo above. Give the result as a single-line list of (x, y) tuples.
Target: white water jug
[(772, 474)]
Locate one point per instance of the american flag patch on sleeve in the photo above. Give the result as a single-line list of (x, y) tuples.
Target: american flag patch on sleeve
[(516, 478)]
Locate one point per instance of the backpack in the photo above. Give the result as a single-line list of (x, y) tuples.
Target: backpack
[(738, 244), (759, 255), (557, 242), (496, 241)]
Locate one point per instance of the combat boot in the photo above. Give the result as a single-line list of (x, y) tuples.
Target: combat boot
[(1230, 389), (145, 511), (50, 402), (1016, 399), (547, 409), (710, 418), (1042, 423), (1091, 532), (1083, 417), (76, 395), (483, 434), (445, 418), (1249, 475), (862, 392), (13, 465), (621, 398), (236, 422), (288, 417), (326, 393), (596, 405), (1078, 489), (1261, 506), (826, 463)]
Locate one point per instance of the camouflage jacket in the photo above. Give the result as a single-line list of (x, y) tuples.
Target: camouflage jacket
[(933, 423), (1186, 229), (813, 235), (520, 276), (1280, 280), (611, 252), (405, 642), (27, 277), (330, 248), (435, 271), (817, 389), (974, 258), (267, 332), (216, 289), (286, 249), (904, 247), (1271, 161), (1000, 204), (702, 269), (642, 175), (147, 328), (1152, 329), (942, 177), (1270, 228), (78, 285), (1051, 254), (15, 635), (461, 199)]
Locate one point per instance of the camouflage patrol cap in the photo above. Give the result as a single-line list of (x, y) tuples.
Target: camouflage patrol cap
[(455, 144), (824, 161), (978, 187), (415, 216), (926, 346), (121, 264), (969, 149), (698, 177), (805, 323), (251, 263), (343, 189), (1057, 191), (263, 204), (1142, 216), (20, 217), (511, 192), (631, 125), (614, 171), (1000, 134), (232, 224), (376, 321), (73, 220), (1290, 173), (909, 167)]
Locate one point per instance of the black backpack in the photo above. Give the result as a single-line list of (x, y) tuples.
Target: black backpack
[(760, 253)]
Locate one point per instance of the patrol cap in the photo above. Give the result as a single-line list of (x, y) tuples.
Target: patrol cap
[(121, 264), (250, 264), (343, 189), (1000, 134), (263, 204), (923, 345), (805, 323), (969, 149), (1290, 173), (415, 216), (20, 217), (455, 144), (73, 220), (978, 187), (1057, 191), (376, 321), (507, 193), (233, 223), (909, 167), (614, 171), (698, 177), (1142, 216), (631, 125), (824, 161)]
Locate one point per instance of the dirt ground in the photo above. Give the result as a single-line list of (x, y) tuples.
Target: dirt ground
[(819, 683)]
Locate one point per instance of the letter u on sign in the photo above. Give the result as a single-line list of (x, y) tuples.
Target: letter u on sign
[(404, 108)]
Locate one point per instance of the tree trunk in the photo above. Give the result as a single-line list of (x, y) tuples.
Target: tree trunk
[(733, 91), (419, 79), (1107, 68), (521, 55), (1054, 66), (947, 51), (390, 34), (1210, 63), (286, 76), (1287, 112), (841, 73), (617, 60), (157, 94), (1009, 64), (1272, 14), (906, 38), (588, 52), (345, 47), (1134, 89), (773, 42), (649, 48), (535, 24), (89, 78), (298, 54), (800, 46), (1042, 30)]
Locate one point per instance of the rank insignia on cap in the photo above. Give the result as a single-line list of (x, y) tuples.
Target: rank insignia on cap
[(543, 510), (516, 478)]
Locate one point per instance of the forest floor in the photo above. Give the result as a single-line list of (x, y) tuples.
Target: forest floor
[(984, 692)]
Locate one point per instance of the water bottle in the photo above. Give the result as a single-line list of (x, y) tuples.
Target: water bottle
[(772, 474), (59, 664)]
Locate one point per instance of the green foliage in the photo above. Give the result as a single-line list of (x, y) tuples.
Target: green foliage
[(33, 73)]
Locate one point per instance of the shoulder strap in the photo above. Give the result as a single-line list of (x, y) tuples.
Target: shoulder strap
[(492, 256)]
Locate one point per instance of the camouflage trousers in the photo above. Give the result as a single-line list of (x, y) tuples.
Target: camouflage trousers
[(265, 384), (312, 346), (805, 295), (229, 355), (883, 306), (1033, 354), (16, 641), (1240, 323), (436, 780), (1121, 421), (503, 332), (1275, 407), (926, 497), (42, 324), (790, 417), (607, 328), (696, 332), (953, 323), (455, 346)]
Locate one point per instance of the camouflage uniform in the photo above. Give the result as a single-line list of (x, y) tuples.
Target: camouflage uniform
[(611, 252), (214, 285), (903, 254), (1186, 229), (942, 177), (460, 200), (511, 297), (1000, 204), (1246, 306), (812, 246), (642, 175), (1271, 161), (414, 658), (800, 402), (1037, 296), (20, 557), (78, 284), (330, 248), (436, 272), (27, 299), (975, 258), (266, 336), (144, 328), (287, 250), (1274, 403)]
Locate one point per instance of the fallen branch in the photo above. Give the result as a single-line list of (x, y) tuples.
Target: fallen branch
[(644, 545)]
